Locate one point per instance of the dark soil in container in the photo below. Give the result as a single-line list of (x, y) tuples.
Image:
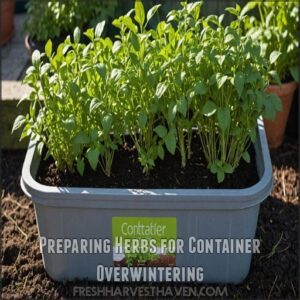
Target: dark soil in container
[(168, 173), (273, 274)]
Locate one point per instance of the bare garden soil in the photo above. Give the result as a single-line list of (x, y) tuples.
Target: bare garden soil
[(168, 173), (273, 273)]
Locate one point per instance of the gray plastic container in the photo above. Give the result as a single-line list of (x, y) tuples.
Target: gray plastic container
[(63, 212)]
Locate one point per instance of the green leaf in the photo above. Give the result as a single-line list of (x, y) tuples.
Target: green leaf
[(249, 6), (182, 106), (269, 111), (139, 12), (221, 59), (220, 176), (134, 59), (213, 19), (229, 38), (48, 48), (80, 166), (115, 74), (227, 168), (101, 70), (74, 90), (69, 123), (199, 57), (151, 12), (93, 157), (239, 81), (209, 108), (99, 29), (65, 49), (223, 116), (36, 58), (200, 88), (161, 131), (95, 104), (232, 11), (253, 76), (221, 79), (128, 22), (294, 70), (45, 68), (246, 157), (116, 47), (142, 120), (170, 140), (272, 105), (76, 35), (274, 56), (275, 77), (25, 132), (117, 23), (107, 123), (81, 138), (24, 98), (94, 135), (19, 121), (160, 90), (172, 112), (30, 70), (161, 152), (135, 42), (89, 33), (213, 168), (276, 102)]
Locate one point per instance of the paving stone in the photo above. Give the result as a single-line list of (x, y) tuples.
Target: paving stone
[(14, 55)]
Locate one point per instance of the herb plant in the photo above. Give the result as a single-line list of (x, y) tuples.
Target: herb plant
[(277, 30), (48, 19), (233, 78), (190, 75)]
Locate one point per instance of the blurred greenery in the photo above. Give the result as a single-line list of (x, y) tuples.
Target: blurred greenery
[(51, 19), (276, 28)]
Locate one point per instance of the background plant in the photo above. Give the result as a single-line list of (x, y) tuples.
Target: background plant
[(49, 19), (277, 29)]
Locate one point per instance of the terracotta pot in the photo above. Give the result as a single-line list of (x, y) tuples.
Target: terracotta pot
[(7, 20), (275, 129)]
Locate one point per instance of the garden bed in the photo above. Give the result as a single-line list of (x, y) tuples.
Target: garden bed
[(273, 273)]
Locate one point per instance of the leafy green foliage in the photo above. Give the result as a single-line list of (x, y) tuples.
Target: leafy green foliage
[(154, 86), (236, 76), (277, 31), (48, 19)]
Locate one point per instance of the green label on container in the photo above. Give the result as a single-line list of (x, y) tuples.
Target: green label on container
[(141, 241)]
